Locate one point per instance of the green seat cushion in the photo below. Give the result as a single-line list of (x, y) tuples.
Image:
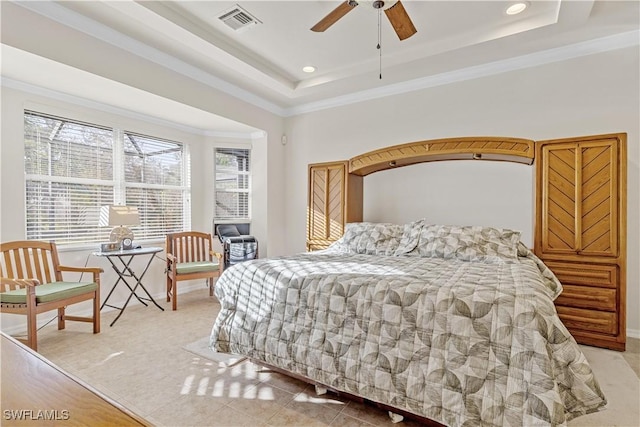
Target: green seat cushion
[(48, 292), (196, 267)]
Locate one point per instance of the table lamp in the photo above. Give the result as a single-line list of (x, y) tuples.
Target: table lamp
[(119, 217)]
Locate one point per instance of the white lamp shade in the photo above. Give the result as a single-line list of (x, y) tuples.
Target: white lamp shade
[(111, 215)]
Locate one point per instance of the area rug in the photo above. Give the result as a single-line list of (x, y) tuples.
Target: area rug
[(201, 348), (620, 385)]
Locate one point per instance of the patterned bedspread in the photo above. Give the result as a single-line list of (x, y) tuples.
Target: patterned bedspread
[(462, 343)]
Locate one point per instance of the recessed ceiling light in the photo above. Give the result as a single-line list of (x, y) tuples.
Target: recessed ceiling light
[(309, 69), (516, 8)]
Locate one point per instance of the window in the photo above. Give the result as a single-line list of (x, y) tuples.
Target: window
[(233, 189), (156, 174), (73, 168)]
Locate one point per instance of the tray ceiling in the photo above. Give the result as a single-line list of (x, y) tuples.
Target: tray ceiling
[(453, 39)]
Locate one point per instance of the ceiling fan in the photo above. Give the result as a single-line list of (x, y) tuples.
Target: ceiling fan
[(396, 14)]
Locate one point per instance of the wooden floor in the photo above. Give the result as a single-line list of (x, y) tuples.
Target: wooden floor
[(35, 391)]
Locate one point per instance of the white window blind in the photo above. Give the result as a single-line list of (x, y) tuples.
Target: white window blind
[(157, 182), (233, 185), (73, 168), (69, 175)]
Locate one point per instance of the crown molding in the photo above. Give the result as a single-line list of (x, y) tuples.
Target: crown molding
[(101, 32), (591, 47), (97, 30), (95, 105)]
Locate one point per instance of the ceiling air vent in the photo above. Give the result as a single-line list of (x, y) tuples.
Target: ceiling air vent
[(238, 19)]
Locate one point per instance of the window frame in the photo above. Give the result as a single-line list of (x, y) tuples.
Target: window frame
[(185, 188), (118, 183), (248, 191)]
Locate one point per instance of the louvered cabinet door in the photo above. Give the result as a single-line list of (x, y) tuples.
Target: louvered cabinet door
[(578, 209), (326, 208), (559, 208), (598, 203), (335, 198)]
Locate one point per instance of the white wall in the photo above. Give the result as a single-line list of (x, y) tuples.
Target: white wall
[(442, 193), (590, 95)]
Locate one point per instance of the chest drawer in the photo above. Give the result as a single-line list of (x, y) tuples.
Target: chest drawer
[(588, 320), (584, 274), (587, 297), (313, 246)]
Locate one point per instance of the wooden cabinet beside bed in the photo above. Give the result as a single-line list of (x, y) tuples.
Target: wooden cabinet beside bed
[(335, 198), (581, 232)]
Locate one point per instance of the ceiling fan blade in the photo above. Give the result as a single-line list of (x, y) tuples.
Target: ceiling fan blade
[(333, 16), (400, 21)]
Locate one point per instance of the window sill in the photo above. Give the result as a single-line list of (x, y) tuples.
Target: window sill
[(85, 247)]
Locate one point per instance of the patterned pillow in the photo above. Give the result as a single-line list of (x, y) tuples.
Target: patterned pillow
[(468, 243), (410, 237), (371, 238)]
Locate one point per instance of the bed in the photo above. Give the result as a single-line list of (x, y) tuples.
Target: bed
[(451, 324)]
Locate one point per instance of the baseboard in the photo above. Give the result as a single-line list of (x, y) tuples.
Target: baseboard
[(46, 318), (633, 333)]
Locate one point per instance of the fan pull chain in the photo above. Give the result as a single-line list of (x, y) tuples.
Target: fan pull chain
[(380, 39)]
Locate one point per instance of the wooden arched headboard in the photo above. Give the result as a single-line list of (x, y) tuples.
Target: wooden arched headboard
[(580, 230), (467, 148)]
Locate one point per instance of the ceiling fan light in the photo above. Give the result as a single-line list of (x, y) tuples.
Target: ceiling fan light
[(516, 8), (309, 69)]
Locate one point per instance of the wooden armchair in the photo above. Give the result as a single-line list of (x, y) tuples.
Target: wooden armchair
[(190, 256), (32, 283)]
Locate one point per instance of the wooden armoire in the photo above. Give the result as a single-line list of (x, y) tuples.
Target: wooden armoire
[(335, 198), (581, 232)]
